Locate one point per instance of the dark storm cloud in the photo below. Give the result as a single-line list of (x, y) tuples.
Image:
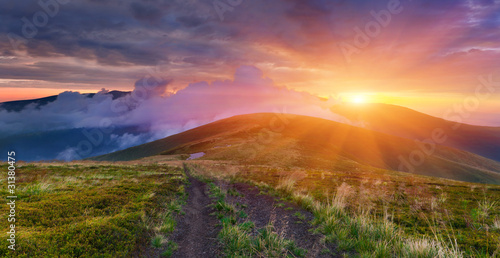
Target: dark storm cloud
[(109, 32), (117, 33), (190, 21), (145, 12), (51, 72)]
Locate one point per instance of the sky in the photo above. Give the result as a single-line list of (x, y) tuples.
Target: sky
[(76, 126), (432, 56)]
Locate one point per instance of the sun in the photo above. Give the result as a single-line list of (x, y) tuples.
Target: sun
[(359, 99)]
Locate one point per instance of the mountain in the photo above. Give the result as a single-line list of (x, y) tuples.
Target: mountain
[(408, 123), (18, 105), (43, 144), (66, 144), (293, 140)]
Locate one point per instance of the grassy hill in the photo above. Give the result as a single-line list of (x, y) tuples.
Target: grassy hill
[(161, 207), (92, 210), (356, 208), (408, 123), (300, 141)]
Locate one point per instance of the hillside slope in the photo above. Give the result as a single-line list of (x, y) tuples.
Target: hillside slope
[(408, 123), (302, 141)]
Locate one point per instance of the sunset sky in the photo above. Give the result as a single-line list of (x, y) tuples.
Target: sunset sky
[(426, 55)]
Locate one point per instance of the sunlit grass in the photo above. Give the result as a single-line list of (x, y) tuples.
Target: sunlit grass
[(387, 212), (496, 224), (111, 210), (241, 239)]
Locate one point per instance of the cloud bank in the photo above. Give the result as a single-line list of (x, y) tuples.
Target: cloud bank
[(150, 113)]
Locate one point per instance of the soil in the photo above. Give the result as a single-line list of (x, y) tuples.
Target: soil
[(264, 209), (196, 231)]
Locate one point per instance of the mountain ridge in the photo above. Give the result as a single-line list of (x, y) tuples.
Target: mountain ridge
[(311, 142), (411, 124), (18, 105)]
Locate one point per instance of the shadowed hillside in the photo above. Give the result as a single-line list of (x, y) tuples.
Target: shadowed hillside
[(404, 122), (291, 140)]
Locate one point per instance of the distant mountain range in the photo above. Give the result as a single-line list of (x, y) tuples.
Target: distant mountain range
[(302, 141), (49, 144), (18, 105), (391, 137)]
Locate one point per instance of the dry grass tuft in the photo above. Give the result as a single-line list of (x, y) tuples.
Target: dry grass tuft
[(344, 191), (287, 182)]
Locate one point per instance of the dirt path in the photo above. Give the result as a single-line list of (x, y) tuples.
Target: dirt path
[(196, 232), (264, 209)]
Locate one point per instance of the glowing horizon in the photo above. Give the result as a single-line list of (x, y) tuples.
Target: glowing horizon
[(423, 55)]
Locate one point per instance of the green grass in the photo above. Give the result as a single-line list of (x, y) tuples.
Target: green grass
[(157, 241), (168, 224), (224, 207), (241, 239), (300, 216), (367, 236), (233, 192), (171, 248), (280, 204), (81, 210), (387, 213), (70, 210), (242, 214)]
